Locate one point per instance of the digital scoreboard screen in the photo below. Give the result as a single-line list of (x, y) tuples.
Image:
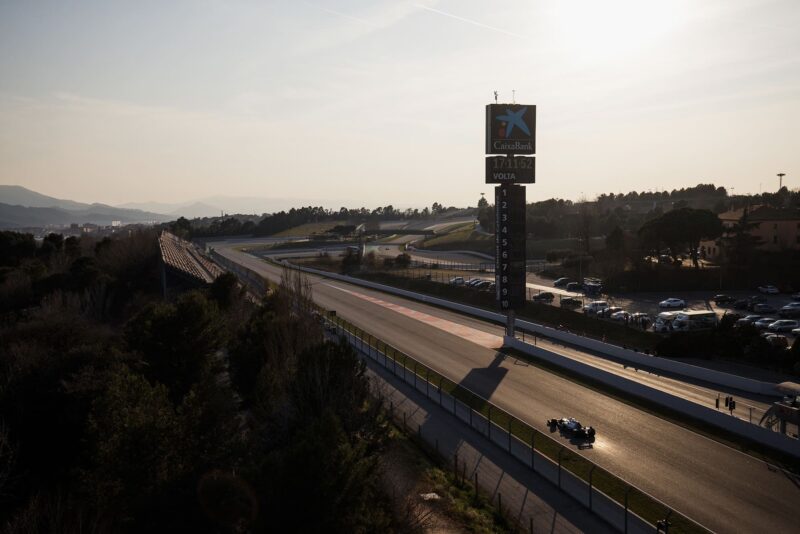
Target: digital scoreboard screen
[(510, 170)]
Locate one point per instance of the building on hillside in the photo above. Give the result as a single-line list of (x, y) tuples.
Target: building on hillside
[(777, 229)]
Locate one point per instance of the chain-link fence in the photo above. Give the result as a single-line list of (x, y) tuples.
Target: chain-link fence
[(623, 505)]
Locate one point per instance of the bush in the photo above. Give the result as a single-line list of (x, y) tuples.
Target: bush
[(558, 254)]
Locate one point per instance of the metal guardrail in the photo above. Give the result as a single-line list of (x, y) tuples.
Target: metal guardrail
[(592, 485)]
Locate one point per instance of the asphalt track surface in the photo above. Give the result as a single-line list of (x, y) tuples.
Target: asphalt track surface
[(721, 488)]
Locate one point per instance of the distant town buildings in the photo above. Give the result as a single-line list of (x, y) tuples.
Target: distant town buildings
[(775, 229)]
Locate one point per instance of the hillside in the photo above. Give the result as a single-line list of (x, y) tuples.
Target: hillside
[(21, 207), (22, 216), (16, 195)]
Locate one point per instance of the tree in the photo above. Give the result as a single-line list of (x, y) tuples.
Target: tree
[(224, 290), (402, 260), (739, 243), (483, 203), (615, 245), (182, 228), (134, 436), (177, 341), (486, 218), (681, 228)]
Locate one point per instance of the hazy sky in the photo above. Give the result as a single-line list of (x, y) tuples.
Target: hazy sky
[(375, 102)]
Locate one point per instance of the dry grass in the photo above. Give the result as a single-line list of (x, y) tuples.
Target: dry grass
[(307, 229)]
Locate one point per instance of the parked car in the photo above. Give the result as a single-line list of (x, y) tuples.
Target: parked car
[(796, 296), (592, 286), (621, 316), (490, 287), (641, 319), (595, 306), (570, 302), (483, 284), (750, 319), (790, 310), (796, 331), (764, 322), (575, 287), (757, 298), (572, 426), (561, 282), (741, 304), (544, 296), (672, 303), (778, 341), (457, 281), (769, 290), (764, 308), (783, 325), (474, 281), (607, 312), (723, 299)]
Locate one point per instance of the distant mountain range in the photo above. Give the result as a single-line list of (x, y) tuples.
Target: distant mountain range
[(216, 205), (21, 207)]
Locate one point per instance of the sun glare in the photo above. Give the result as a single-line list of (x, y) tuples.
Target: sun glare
[(598, 30)]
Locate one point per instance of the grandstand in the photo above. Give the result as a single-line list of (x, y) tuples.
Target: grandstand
[(183, 266)]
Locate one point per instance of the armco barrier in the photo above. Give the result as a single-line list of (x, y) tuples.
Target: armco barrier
[(634, 358), (533, 449)]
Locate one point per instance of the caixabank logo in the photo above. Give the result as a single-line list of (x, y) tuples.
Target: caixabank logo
[(510, 129)]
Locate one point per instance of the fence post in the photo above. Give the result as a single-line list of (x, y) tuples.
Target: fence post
[(533, 450), (591, 472), (427, 383), (560, 451), (627, 490)]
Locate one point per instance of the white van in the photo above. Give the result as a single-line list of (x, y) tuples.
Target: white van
[(595, 306), (664, 322)]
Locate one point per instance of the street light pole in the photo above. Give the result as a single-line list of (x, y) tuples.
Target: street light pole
[(780, 180)]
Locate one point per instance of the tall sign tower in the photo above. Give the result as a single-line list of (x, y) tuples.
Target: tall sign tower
[(510, 161)]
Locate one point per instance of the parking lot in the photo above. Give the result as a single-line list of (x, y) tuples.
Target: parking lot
[(647, 302)]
